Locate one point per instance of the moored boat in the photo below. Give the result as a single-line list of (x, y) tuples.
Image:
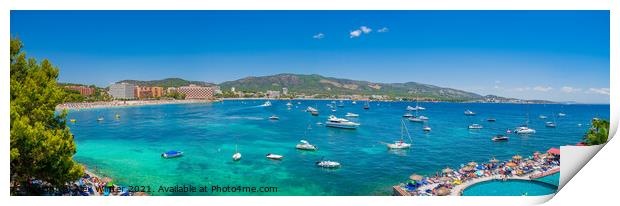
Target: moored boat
[(172, 154), (336, 122), (475, 126), (266, 104), (550, 124), (305, 145), (328, 164), (401, 144), (407, 115), (349, 114), (500, 137), (524, 130), (469, 113), (274, 117), (274, 156), (426, 128)]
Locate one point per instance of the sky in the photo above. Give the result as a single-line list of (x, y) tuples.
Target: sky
[(551, 55)]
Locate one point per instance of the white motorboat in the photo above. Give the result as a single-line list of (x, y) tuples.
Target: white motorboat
[(266, 104), (274, 156), (407, 115), (349, 114), (524, 130), (401, 144), (415, 119), (500, 137), (353, 102), (410, 108), (475, 126), (561, 114), (289, 104), (550, 124), (542, 116), (423, 118), (336, 122), (426, 128), (311, 109), (469, 113), (100, 119), (274, 117), (304, 145), (328, 164)]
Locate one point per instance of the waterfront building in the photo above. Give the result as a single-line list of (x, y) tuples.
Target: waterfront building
[(273, 94), (171, 90), (123, 91), (84, 90), (285, 91), (148, 92), (196, 92)]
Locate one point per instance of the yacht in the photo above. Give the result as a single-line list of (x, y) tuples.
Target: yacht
[(550, 124), (415, 119), (423, 118), (304, 145), (334, 121), (499, 137), (349, 114), (469, 113), (274, 156), (407, 115), (328, 164), (311, 109), (314, 113), (426, 128), (475, 126), (266, 104), (524, 130)]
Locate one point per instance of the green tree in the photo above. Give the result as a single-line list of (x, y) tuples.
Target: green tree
[(42, 146), (598, 133)]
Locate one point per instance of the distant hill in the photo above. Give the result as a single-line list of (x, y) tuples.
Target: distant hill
[(165, 83), (317, 84)]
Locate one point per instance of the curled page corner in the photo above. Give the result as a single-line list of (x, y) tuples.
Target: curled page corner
[(573, 159)]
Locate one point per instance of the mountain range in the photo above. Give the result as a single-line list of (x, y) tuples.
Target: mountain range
[(316, 84)]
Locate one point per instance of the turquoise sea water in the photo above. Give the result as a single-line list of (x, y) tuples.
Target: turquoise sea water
[(128, 149), (510, 188)]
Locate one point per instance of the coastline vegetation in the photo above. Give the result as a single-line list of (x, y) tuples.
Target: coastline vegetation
[(42, 145), (598, 133)]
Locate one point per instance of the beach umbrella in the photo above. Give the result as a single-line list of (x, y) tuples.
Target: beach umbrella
[(445, 179), (473, 164), (442, 191), (517, 157), (468, 168), (415, 177), (447, 170), (511, 164)]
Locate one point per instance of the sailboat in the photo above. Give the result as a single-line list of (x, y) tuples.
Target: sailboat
[(400, 144), (237, 155), (305, 145), (366, 105), (524, 129)]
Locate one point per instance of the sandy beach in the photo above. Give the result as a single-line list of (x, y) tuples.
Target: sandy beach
[(127, 103)]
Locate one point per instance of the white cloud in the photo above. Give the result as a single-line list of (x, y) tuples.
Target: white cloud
[(355, 34), (497, 81), (604, 91), (319, 36), (542, 89), (522, 89), (365, 29), (567, 89), (383, 30)]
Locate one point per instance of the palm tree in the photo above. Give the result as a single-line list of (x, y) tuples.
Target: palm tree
[(598, 133)]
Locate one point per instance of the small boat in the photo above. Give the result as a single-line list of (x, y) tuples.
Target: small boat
[(469, 113), (407, 115), (426, 128), (289, 104), (423, 118), (328, 164), (341, 104), (561, 114), (274, 117), (475, 126), (311, 109), (100, 119), (336, 122), (550, 124), (401, 144), (314, 113), (491, 120), (508, 131), (353, 102), (333, 110), (366, 106), (415, 119), (524, 130), (349, 114), (72, 120), (237, 155), (274, 156), (304, 145), (266, 104), (542, 116), (298, 102), (409, 108), (499, 137), (171, 154)]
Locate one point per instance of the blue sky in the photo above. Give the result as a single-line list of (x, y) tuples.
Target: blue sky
[(554, 55)]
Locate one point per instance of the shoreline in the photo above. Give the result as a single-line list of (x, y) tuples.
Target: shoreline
[(128, 103)]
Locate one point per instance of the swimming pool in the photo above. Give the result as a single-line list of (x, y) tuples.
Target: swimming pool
[(510, 188)]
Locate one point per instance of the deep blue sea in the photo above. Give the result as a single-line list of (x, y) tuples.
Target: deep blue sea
[(128, 149)]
